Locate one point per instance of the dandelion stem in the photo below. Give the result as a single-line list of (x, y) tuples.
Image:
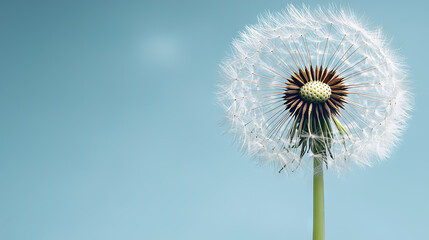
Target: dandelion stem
[(318, 201)]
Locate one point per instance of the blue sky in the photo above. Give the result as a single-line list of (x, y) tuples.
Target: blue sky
[(110, 129)]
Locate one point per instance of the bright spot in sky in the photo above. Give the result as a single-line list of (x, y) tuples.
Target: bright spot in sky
[(162, 50)]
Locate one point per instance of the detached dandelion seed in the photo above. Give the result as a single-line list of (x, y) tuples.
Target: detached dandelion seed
[(314, 89)]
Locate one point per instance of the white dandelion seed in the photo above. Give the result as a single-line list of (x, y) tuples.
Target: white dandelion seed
[(317, 88), (305, 83)]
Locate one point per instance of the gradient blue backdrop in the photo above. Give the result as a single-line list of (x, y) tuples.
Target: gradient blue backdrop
[(109, 129)]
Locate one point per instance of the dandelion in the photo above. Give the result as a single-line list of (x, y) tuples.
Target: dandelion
[(314, 89)]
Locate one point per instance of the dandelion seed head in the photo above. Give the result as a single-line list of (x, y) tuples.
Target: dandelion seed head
[(315, 92), (308, 83)]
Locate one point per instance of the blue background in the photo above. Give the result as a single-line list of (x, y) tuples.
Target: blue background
[(109, 129)]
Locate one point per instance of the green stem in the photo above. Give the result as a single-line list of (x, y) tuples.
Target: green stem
[(318, 201)]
